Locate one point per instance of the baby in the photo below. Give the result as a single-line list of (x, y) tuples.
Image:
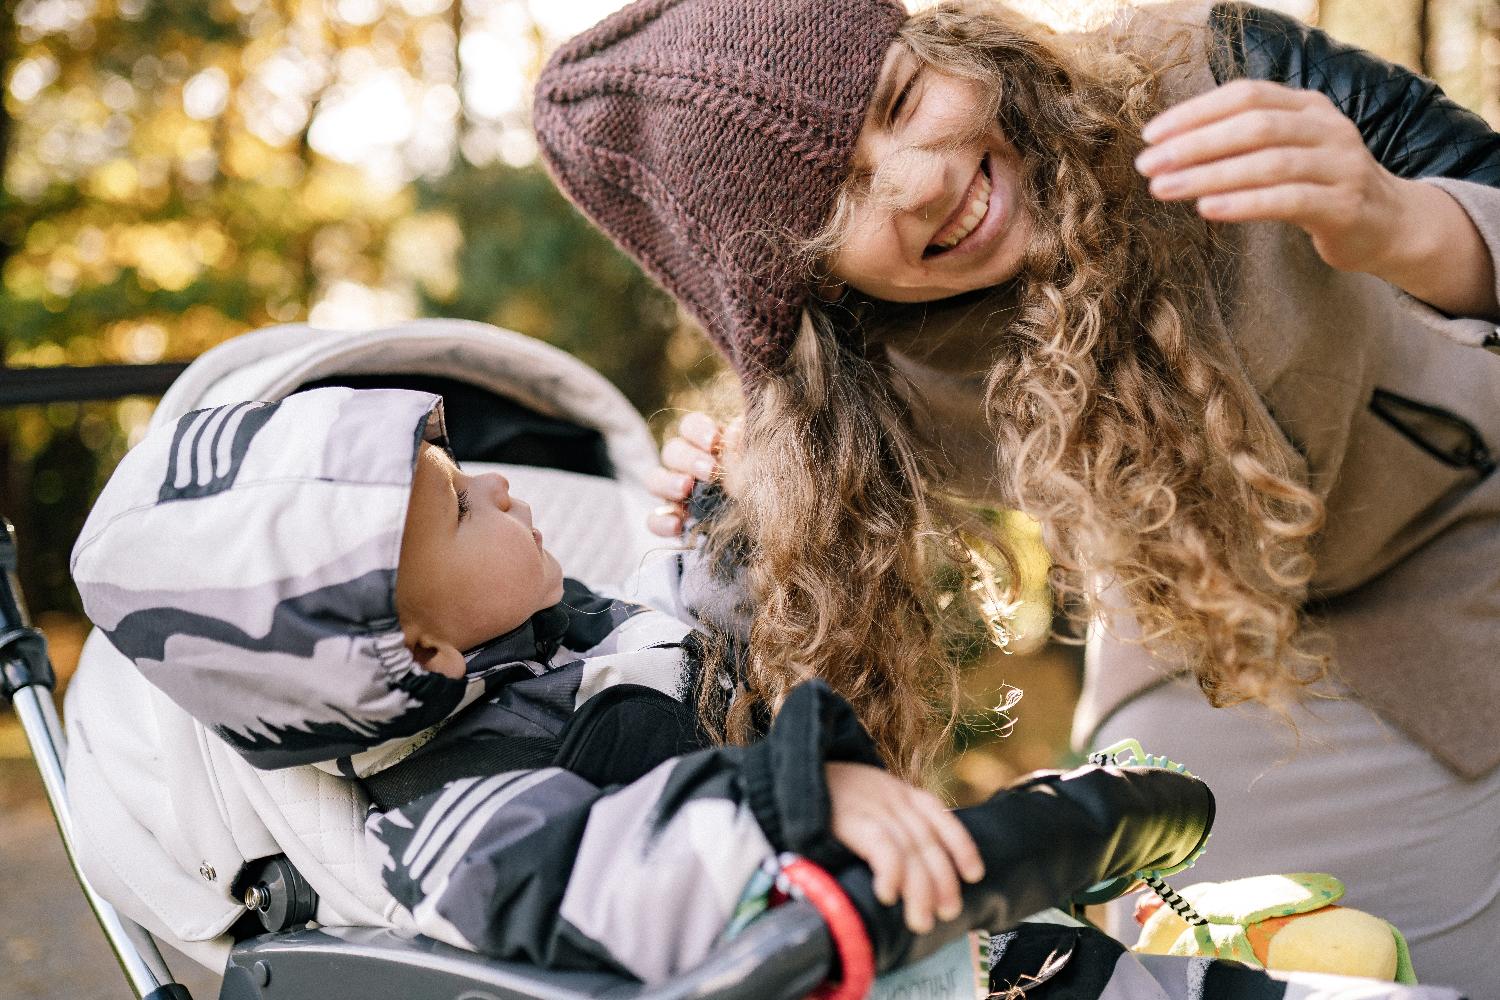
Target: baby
[(318, 582)]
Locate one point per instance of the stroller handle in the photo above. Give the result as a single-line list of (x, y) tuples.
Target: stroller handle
[(27, 682)]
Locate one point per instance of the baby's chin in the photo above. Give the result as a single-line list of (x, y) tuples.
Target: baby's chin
[(555, 574)]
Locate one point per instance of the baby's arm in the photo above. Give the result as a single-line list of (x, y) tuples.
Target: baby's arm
[(915, 846), (544, 866)]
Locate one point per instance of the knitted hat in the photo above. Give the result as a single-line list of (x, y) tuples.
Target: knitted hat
[(244, 558), (707, 136)]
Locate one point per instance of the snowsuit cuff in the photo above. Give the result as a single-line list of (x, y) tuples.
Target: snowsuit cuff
[(785, 784)]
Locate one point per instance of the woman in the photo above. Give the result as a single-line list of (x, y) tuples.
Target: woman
[(1229, 354)]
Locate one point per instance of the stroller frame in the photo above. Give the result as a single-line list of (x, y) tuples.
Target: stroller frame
[(27, 682)]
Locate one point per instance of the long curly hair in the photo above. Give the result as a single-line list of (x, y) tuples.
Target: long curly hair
[(1121, 416)]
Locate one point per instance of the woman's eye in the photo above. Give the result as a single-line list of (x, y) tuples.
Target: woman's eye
[(463, 504), (901, 98)]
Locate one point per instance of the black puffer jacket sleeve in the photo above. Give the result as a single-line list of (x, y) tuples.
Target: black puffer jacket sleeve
[(1408, 123), (785, 783)]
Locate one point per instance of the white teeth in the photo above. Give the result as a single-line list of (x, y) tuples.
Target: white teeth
[(973, 214)]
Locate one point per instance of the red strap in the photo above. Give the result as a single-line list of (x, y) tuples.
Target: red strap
[(850, 939)]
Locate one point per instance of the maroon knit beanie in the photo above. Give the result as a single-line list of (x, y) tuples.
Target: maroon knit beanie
[(705, 136)]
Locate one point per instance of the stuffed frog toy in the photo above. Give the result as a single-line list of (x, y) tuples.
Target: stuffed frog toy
[(1282, 922)]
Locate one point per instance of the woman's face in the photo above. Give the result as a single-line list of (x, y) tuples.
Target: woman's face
[(942, 212)]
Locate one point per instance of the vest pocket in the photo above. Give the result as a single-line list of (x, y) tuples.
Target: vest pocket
[(1444, 435)]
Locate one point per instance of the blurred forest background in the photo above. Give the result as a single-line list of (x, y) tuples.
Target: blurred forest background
[(176, 172)]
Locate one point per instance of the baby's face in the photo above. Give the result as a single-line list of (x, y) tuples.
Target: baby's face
[(472, 566)]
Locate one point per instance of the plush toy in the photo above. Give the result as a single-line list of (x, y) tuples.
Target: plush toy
[(1284, 922)]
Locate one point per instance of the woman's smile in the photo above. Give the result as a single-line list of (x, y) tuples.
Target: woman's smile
[(975, 223)]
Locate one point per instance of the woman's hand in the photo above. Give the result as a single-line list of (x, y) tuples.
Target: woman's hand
[(700, 450), (1253, 150), (915, 847)]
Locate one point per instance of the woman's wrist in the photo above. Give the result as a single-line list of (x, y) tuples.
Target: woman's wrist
[(1434, 252)]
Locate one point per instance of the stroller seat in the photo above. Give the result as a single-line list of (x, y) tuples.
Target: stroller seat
[(166, 815)]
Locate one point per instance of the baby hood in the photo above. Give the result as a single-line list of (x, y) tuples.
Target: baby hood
[(244, 558)]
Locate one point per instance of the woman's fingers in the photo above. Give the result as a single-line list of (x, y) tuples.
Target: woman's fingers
[(682, 456), (1253, 151), (1243, 133), (1303, 204), (1224, 102), (1280, 165)]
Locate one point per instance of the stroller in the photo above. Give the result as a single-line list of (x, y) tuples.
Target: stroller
[(266, 880)]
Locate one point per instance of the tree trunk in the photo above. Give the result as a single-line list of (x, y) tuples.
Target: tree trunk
[(1424, 37), (1489, 54), (461, 128)]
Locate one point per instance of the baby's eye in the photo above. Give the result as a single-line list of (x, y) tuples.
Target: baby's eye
[(463, 504)]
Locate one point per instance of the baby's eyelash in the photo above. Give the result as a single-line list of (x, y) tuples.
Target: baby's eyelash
[(463, 504)]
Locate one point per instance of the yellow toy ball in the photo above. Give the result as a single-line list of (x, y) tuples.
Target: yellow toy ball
[(1281, 922)]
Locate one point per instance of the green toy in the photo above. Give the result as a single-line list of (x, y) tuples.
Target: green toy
[(1285, 922), (1282, 922)]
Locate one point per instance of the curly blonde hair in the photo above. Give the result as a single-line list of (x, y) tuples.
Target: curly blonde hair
[(1122, 417)]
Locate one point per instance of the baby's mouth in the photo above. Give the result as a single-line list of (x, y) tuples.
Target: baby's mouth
[(967, 217)]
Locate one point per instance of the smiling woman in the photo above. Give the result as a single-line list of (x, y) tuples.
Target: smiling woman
[(933, 206), (1141, 282)]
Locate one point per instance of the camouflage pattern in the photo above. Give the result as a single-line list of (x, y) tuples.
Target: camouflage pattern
[(244, 558)]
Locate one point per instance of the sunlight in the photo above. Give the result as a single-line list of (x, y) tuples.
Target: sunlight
[(564, 20)]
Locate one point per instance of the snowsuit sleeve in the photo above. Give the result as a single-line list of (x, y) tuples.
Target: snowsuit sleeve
[(544, 866)]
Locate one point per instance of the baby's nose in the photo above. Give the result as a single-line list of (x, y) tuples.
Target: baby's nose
[(498, 489)]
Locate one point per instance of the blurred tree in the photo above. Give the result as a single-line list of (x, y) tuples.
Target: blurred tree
[(180, 173), (524, 259)]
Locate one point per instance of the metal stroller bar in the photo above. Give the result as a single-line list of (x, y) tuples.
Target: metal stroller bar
[(26, 681)]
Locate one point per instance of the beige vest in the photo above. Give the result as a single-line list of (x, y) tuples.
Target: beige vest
[(1397, 409)]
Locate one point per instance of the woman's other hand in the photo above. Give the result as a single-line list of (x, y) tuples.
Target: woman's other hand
[(916, 848), (698, 451), (1253, 150)]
